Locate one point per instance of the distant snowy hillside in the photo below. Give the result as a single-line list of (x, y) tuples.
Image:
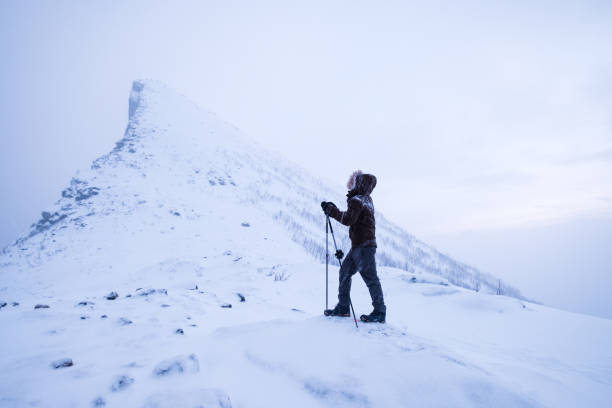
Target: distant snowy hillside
[(183, 270), (182, 166)]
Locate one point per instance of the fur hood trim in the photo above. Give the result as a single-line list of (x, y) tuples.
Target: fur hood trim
[(352, 181)]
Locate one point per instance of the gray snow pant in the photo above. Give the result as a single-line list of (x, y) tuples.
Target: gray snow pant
[(361, 259)]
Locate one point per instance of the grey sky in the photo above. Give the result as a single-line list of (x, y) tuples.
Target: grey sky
[(488, 123)]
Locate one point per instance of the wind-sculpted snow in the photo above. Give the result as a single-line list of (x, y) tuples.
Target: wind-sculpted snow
[(183, 269)]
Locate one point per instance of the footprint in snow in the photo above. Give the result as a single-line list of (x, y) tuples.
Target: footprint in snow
[(98, 402), (121, 382), (177, 365)]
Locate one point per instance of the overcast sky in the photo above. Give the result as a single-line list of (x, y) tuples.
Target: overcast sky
[(488, 124)]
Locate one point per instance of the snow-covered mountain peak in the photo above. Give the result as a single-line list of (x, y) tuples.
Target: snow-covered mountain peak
[(181, 177)]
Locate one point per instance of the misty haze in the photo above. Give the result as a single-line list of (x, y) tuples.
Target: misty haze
[(178, 229)]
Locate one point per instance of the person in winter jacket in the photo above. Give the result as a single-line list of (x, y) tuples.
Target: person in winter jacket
[(359, 217)]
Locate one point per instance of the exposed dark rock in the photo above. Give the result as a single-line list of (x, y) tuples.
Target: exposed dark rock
[(227, 305), (129, 295), (15, 304), (47, 221), (165, 305), (84, 317), (241, 296), (121, 383), (63, 362), (103, 316), (147, 292), (124, 321), (177, 365), (245, 224), (179, 331), (85, 303), (41, 306), (111, 296), (2, 304)]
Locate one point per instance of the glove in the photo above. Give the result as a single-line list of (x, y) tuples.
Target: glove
[(327, 207)]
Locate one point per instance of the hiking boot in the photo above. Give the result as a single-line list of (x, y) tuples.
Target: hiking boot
[(374, 317), (342, 311)]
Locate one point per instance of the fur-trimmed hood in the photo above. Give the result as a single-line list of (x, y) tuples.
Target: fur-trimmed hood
[(360, 183)]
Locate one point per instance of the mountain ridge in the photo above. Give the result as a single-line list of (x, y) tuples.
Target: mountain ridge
[(155, 141)]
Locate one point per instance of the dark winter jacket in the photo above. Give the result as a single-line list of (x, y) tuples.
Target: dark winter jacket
[(360, 213)]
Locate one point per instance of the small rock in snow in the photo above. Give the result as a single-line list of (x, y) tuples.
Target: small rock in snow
[(85, 303), (40, 306), (84, 317), (2, 304), (147, 292), (103, 316), (121, 383), (165, 305), (245, 224), (111, 296), (227, 305), (124, 322), (179, 331), (64, 362), (15, 304), (241, 296)]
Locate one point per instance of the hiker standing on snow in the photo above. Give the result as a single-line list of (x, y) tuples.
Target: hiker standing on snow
[(359, 217)]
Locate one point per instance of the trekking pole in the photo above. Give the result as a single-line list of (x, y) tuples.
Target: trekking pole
[(338, 256), (326, 262)]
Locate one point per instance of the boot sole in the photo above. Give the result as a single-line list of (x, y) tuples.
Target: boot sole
[(371, 321)]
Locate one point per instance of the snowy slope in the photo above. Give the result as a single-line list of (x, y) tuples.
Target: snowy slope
[(185, 217), (175, 158)]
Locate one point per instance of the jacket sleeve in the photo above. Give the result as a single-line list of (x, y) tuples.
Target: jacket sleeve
[(350, 216)]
